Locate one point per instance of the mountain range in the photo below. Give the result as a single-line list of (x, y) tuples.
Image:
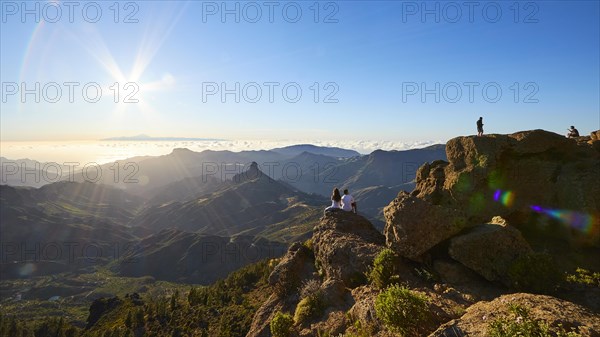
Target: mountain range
[(175, 209), (502, 214)]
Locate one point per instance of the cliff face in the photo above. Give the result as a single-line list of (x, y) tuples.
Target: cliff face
[(458, 241)]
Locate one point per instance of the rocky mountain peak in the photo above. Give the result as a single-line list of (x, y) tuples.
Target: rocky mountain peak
[(462, 227), (251, 173)]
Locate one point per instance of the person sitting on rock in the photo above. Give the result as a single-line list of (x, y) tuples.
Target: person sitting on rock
[(572, 132), (348, 203), (336, 200)]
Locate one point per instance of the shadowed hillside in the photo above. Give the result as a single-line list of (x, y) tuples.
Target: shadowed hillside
[(251, 203)]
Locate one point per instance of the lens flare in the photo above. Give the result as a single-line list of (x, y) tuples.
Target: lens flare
[(583, 222), (506, 198)]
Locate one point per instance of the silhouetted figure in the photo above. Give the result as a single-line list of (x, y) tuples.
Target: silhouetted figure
[(572, 132), (348, 203), (480, 127), (336, 201)]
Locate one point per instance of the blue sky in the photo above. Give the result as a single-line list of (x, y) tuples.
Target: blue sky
[(370, 58)]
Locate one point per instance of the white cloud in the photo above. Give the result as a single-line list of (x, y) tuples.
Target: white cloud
[(108, 151)]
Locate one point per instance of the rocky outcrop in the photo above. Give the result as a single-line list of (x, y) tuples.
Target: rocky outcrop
[(337, 256), (524, 176), (345, 245), (285, 279), (458, 255), (501, 174), (415, 225), (490, 250), (548, 309), (286, 274)]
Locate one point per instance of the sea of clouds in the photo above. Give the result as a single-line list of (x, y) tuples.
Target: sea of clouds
[(107, 151)]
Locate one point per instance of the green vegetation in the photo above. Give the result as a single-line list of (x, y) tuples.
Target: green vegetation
[(76, 291), (536, 272), (308, 244), (281, 325), (9, 326), (482, 160), (519, 323), (401, 309), (585, 277), (360, 330), (224, 309), (309, 307), (384, 271), (312, 303)]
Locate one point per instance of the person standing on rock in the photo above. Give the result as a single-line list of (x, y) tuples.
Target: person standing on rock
[(336, 200), (348, 203), (480, 127)]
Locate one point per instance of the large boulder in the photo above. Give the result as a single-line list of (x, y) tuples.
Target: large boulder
[(415, 225), (550, 310), (516, 176), (490, 250), (345, 245)]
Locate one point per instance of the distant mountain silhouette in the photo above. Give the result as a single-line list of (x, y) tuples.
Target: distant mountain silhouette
[(295, 150), (32, 173)]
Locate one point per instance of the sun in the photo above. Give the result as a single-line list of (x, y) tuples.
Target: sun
[(131, 87)]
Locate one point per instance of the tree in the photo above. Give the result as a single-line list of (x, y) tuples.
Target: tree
[(139, 319), (174, 300), (129, 320)]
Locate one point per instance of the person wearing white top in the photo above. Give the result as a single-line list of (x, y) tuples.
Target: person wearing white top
[(348, 203)]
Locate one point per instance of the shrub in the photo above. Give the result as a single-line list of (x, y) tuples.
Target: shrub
[(309, 307), (310, 288), (362, 331), (400, 309), (536, 272), (308, 244), (518, 323), (383, 272), (585, 277), (281, 325), (482, 160)]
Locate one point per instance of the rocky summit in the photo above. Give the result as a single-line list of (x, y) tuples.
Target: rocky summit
[(491, 242)]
